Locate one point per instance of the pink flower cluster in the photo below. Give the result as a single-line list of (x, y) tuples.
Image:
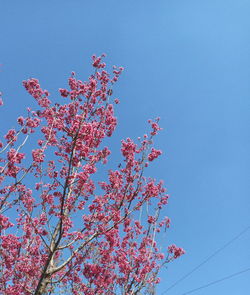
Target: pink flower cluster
[(176, 251), (154, 154), (11, 136), (38, 155), (97, 62), (4, 222), (33, 87)]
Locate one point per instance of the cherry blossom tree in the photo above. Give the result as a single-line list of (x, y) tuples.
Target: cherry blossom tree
[(63, 230)]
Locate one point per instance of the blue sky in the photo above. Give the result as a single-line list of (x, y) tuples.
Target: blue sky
[(185, 61)]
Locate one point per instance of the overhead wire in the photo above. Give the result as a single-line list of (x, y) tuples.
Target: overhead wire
[(217, 281), (207, 259)]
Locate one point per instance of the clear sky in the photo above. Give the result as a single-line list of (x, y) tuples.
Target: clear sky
[(185, 61)]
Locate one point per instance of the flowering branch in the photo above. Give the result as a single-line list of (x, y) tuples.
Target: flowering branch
[(64, 229)]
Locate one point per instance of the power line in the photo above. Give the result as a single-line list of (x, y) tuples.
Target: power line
[(217, 281), (207, 259)]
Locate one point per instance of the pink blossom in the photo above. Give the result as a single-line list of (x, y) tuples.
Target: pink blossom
[(4, 222), (38, 155), (64, 92), (154, 154), (11, 136), (14, 156), (176, 251), (20, 120)]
